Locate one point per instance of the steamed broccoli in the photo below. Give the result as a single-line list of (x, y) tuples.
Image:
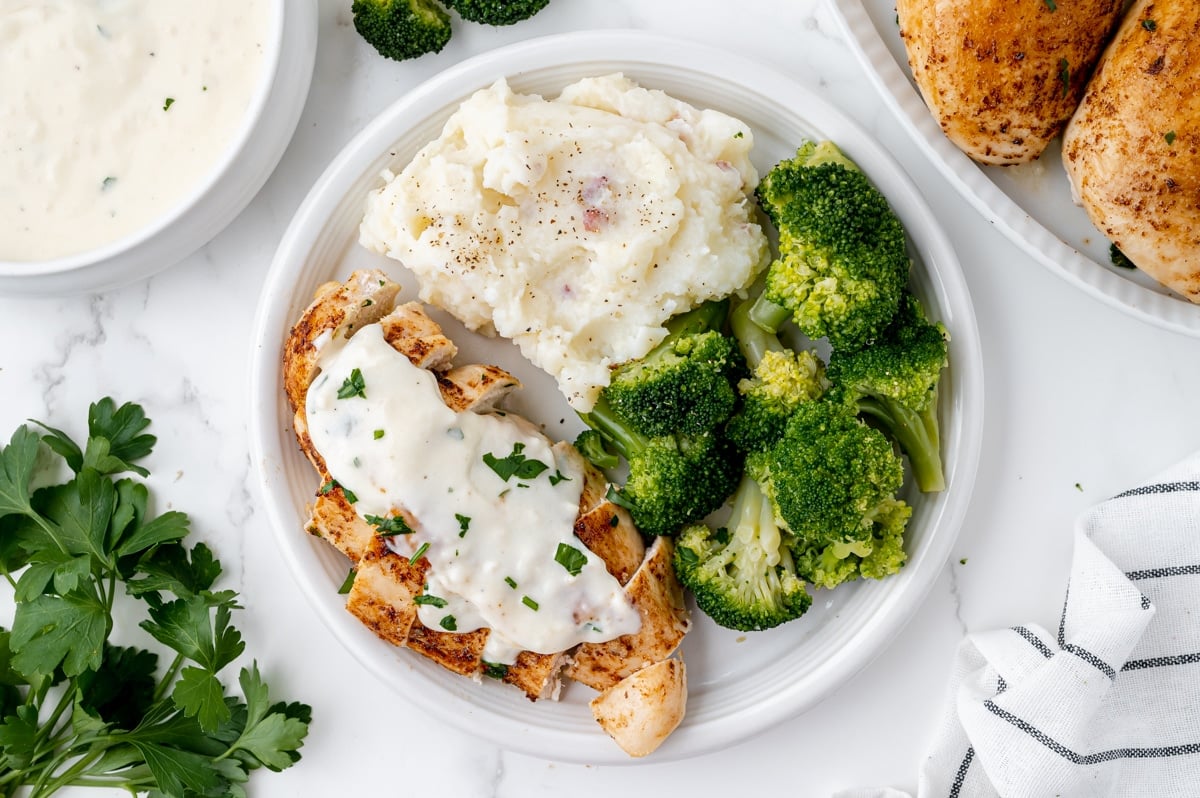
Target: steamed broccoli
[(780, 379), (497, 12), (842, 259), (682, 385), (895, 383), (590, 444), (742, 575), (673, 479), (832, 481), (402, 29)]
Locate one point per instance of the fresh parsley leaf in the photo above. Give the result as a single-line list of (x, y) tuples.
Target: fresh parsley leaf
[(17, 461), (432, 601), (464, 523), (198, 627), (124, 429), (59, 631), (514, 464), (200, 694), (449, 623), (570, 558), (558, 477), (353, 386)]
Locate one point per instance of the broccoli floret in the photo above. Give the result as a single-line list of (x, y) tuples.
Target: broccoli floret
[(497, 12), (843, 259), (683, 385), (590, 444), (402, 29), (894, 382), (780, 378), (832, 481), (742, 575), (673, 479)]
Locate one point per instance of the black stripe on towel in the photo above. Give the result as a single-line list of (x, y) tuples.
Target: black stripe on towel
[(1161, 662), (1034, 641), (961, 775), (1163, 573), (1097, 757), (1162, 487)]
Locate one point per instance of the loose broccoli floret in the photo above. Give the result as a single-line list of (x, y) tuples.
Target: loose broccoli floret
[(673, 479), (682, 385), (590, 444), (842, 259), (832, 481), (497, 12), (895, 383), (780, 379), (402, 29), (742, 575)]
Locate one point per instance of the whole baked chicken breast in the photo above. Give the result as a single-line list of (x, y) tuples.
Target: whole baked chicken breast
[(1132, 150), (1002, 77)]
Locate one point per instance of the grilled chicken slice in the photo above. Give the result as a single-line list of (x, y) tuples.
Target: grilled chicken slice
[(386, 582), (656, 593), (1132, 150), (1002, 77), (641, 710)]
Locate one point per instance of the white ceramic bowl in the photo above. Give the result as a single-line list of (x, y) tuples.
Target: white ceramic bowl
[(738, 684), (202, 213)]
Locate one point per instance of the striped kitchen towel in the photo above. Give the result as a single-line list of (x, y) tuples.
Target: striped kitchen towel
[(1107, 704)]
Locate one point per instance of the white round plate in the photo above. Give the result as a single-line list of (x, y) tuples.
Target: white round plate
[(739, 684), (1031, 204)]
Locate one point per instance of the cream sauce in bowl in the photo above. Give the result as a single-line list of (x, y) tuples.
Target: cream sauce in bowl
[(114, 114)]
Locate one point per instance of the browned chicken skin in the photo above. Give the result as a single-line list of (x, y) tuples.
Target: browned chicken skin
[(1132, 150), (1002, 77)]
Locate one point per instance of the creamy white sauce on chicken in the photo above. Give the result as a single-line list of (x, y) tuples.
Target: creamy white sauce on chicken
[(113, 111), (487, 502)]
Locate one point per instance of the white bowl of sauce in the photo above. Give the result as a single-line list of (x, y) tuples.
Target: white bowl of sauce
[(132, 132)]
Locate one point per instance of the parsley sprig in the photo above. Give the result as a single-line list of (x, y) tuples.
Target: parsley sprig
[(75, 708)]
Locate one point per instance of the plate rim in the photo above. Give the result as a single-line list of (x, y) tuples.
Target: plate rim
[(891, 81), (547, 52)]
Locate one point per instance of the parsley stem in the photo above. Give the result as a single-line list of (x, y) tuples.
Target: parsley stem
[(168, 678)]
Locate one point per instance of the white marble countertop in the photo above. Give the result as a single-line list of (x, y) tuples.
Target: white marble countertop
[(1081, 401)]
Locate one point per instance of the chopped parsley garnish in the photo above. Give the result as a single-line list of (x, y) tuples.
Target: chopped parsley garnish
[(570, 558), (392, 525), (169, 102), (353, 386), (1170, 137), (1150, 25), (449, 624), (558, 477), (515, 464), (419, 553), (107, 183), (1050, 4), (530, 603), (333, 483), (495, 670), (378, 434), (464, 523), (1064, 75), (432, 601), (1119, 258), (738, 135), (366, 303), (508, 580), (348, 582)]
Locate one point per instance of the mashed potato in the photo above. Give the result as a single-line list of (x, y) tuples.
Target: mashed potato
[(577, 226)]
